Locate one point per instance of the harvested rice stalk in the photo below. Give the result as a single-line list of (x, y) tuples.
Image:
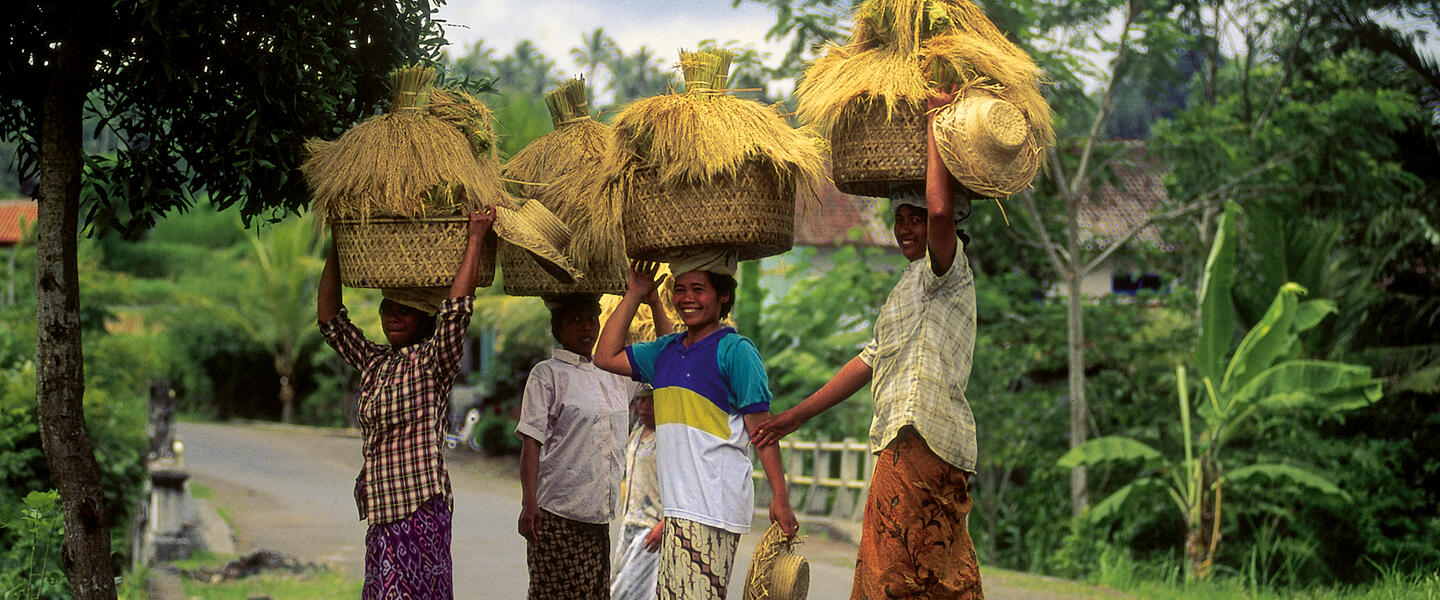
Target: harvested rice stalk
[(411, 162), (562, 169), (900, 51), (704, 133), (578, 143)]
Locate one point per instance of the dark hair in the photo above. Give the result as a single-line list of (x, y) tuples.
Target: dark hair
[(724, 286), (567, 303)]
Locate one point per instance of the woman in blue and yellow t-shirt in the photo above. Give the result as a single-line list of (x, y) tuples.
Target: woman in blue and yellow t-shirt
[(710, 388)]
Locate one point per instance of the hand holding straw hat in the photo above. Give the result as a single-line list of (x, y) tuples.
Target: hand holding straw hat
[(776, 571), (986, 143)]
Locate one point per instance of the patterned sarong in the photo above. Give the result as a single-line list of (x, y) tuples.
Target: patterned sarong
[(569, 559), (695, 561), (410, 558), (915, 541)]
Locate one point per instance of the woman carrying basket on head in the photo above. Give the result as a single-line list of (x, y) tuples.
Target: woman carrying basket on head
[(403, 489), (709, 385)]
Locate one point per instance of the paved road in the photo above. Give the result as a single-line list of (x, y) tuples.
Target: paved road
[(289, 490)]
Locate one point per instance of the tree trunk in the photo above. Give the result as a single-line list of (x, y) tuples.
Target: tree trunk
[(59, 368), (286, 369), (1075, 338)]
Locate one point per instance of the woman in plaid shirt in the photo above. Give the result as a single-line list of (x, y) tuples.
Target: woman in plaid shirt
[(403, 490)]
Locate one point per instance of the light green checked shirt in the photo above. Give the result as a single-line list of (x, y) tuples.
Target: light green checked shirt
[(920, 353)]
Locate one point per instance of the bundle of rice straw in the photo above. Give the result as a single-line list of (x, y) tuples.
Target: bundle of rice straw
[(411, 162), (706, 168), (561, 170), (901, 51), (577, 143)]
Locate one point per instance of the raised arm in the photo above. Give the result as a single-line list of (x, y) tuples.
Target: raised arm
[(848, 380), (940, 189), (475, 232), (663, 325), (328, 298), (610, 350)]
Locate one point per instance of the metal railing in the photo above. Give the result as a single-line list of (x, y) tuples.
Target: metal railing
[(825, 478)]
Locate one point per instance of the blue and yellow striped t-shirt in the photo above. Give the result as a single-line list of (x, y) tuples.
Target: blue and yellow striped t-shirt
[(702, 394)]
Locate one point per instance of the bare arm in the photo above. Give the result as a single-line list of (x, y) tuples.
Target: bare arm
[(475, 232), (848, 380), (658, 314), (939, 195), (610, 349), (328, 298), (780, 510), (529, 480)]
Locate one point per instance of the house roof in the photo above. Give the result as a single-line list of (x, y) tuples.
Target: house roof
[(840, 219), (1109, 211), (1117, 206), (17, 217)]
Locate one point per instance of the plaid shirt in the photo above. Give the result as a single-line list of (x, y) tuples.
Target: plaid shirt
[(921, 352), (403, 405)]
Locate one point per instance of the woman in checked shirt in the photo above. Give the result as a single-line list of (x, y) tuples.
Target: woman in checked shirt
[(403, 490)]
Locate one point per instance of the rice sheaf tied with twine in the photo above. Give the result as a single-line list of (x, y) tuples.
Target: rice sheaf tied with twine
[(901, 51), (413, 161), (705, 133)]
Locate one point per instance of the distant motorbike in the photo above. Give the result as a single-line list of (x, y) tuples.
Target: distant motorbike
[(466, 434)]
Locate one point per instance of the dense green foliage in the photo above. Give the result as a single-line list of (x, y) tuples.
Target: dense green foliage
[(117, 369)]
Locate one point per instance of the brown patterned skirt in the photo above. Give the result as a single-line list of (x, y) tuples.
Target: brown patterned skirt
[(915, 541), (695, 560), (569, 559)]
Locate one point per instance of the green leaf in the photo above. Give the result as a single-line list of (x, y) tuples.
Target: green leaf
[(1111, 506), (1268, 341), (1300, 383), (1309, 313), (1217, 312), (1295, 475), (1108, 449)]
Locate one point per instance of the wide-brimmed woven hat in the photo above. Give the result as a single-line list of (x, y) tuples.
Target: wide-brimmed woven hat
[(776, 571), (537, 230), (987, 144)]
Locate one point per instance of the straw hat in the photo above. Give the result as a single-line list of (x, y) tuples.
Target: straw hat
[(537, 230), (776, 571), (987, 144)]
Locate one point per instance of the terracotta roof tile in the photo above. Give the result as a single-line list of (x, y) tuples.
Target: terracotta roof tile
[(1118, 206), (840, 219), (16, 217)]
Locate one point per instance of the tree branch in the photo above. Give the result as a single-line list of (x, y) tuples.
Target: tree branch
[(1028, 198)]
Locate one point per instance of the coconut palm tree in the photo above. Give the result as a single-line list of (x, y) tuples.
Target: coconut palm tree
[(596, 49)]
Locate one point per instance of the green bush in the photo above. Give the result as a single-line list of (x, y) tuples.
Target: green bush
[(497, 435), (33, 530)]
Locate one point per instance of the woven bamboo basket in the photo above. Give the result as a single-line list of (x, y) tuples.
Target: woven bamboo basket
[(523, 277), (874, 156), (396, 253), (753, 212)]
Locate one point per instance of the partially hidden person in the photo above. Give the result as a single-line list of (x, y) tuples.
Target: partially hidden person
[(572, 429), (914, 541), (637, 560), (710, 386), (403, 490)]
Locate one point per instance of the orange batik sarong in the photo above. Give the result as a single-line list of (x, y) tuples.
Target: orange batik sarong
[(915, 541)]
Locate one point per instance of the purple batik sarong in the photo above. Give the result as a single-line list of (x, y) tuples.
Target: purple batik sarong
[(410, 558)]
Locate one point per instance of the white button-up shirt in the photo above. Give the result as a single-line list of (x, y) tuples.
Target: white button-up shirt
[(579, 414)]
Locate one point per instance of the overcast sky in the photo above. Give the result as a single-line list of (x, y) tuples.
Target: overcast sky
[(556, 26)]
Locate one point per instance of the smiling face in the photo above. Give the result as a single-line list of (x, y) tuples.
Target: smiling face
[(404, 325), (577, 326), (911, 227), (697, 301)]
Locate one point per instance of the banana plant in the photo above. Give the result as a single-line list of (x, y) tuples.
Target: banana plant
[(1263, 375)]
